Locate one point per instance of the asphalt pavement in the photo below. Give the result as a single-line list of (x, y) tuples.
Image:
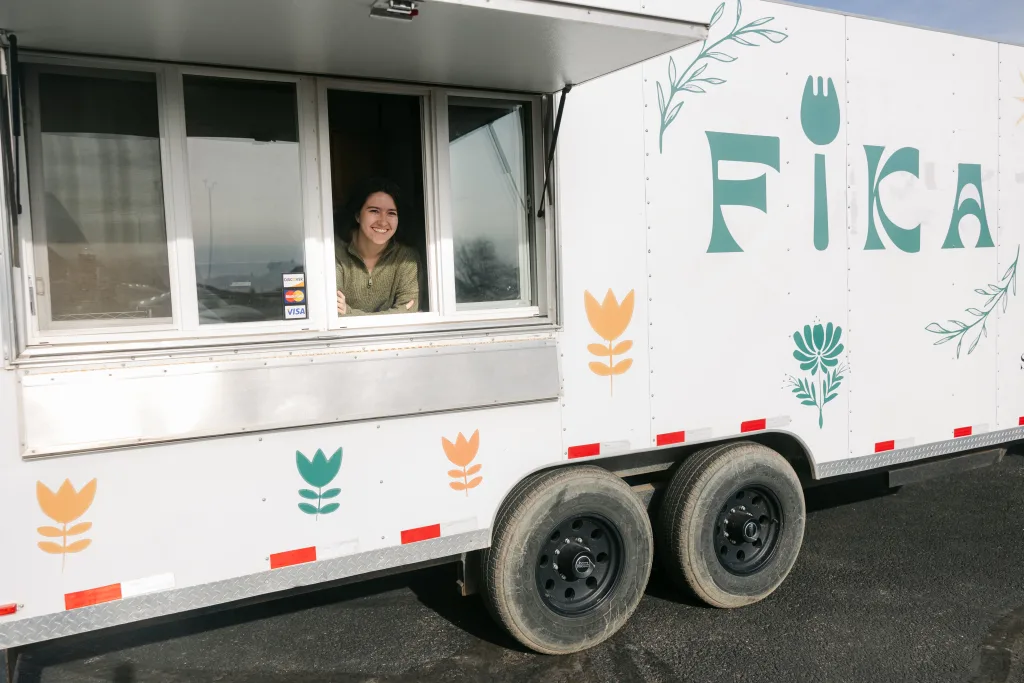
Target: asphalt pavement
[(922, 584)]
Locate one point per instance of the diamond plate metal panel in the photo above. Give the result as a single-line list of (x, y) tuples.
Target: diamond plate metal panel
[(128, 610), (905, 455)]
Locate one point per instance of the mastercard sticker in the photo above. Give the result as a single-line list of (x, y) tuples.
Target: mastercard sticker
[(294, 296)]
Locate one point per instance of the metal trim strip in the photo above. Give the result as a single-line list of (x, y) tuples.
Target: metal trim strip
[(900, 456), (150, 605), (283, 393)]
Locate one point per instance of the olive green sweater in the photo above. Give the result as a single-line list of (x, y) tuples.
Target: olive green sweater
[(393, 283)]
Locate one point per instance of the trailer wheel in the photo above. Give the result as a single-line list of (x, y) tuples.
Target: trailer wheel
[(731, 523), (569, 560)]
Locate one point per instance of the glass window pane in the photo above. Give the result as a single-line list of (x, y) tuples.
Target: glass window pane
[(102, 205), (489, 201), (246, 198)]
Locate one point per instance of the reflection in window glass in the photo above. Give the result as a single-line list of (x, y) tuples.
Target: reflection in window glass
[(102, 204), (489, 201), (246, 198)]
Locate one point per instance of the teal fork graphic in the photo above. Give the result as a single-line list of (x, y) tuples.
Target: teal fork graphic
[(819, 116)]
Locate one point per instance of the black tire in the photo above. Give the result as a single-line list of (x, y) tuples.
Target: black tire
[(700, 516), (517, 581)]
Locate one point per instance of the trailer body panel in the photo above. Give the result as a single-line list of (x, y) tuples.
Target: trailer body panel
[(740, 249)]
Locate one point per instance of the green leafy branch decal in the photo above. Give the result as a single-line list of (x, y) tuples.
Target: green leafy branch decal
[(692, 80), (818, 350), (318, 473), (995, 295)]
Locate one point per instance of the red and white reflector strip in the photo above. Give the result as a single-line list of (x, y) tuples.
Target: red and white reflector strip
[(961, 432), (426, 533), (686, 436), (589, 450), (761, 424), (289, 558), (893, 445), (118, 591), (8, 610), (421, 533)]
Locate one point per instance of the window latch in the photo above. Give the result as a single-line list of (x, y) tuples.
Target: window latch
[(551, 150)]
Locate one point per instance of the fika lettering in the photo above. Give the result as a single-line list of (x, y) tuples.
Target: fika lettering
[(820, 119)]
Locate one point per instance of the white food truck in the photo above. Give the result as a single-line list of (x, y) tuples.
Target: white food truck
[(674, 262)]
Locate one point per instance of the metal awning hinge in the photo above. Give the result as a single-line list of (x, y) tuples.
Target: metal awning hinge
[(551, 150)]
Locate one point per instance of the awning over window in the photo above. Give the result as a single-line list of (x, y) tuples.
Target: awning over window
[(523, 45)]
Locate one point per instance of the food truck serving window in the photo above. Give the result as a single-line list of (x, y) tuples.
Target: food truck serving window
[(173, 203)]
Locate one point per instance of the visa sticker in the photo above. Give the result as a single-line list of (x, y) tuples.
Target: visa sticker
[(295, 296), (292, 280), (294, 312)]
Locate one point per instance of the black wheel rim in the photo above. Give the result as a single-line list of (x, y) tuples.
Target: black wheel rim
[(747, 530), (578, 564)]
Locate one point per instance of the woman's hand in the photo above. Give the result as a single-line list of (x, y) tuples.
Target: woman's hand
[(342, 306)]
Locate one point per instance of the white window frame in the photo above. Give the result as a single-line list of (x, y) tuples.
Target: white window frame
[(305, 94), (430, 199), (35, 261), (315, 175), (527, 267)]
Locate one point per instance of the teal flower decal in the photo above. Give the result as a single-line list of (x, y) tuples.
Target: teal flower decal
[(318, 473), (818, 351), (818, 348)]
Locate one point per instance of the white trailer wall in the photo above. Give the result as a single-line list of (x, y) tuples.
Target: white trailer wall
[(937, 94), (220, 509), (736, 267), (604, 248), (1010, 343)]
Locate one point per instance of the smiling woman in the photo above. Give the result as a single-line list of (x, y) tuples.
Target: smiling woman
[(375, 273)]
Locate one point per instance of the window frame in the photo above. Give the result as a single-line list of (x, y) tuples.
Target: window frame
[(428, 165), (35, 266), (305, 114), (540, 231), (527, 245), (184, 332)]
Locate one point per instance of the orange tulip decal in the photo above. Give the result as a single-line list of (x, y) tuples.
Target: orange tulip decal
[(610, 320), (64, 507), (461, 453)]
